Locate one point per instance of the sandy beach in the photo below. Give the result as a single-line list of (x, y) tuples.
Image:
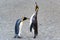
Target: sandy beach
[(48, 19)]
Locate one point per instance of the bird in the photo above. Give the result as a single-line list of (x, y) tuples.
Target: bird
[(18, 26), (33, 21)]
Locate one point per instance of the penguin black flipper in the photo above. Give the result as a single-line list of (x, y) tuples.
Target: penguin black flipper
[(31, 27), (17, 26)]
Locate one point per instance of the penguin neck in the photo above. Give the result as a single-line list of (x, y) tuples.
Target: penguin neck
[(36, 12), (21, 23), (22, 20)]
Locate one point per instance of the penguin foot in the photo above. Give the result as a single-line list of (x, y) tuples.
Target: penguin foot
[(19, 37), (15, 36), (34, 37)]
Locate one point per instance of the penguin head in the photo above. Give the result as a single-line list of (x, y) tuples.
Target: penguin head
[(25, 18), (36, 7), (36, 3)]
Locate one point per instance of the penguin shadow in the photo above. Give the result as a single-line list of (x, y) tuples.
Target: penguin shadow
[(25, 37), (29, 37), (18, 37)]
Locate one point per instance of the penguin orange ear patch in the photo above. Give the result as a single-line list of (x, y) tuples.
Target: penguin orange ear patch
[(22, 17), (36, 8)]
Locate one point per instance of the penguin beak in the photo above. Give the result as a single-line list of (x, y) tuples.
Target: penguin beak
[(28, 18)]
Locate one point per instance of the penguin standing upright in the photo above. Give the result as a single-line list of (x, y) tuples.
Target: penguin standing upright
[(33, 21), (18, 27)]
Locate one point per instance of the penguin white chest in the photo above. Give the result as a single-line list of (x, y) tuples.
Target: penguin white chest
[(31, 18), (20, 28)]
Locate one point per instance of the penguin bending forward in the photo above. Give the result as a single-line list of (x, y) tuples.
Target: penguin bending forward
[(33, 21), (18, 27)]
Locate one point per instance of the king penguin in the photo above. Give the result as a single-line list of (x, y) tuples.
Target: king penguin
[(33, 21), (18, 27)]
